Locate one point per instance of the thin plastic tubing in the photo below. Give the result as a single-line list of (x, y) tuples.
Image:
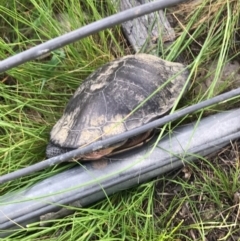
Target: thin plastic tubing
[(85, 31), (115, 139)]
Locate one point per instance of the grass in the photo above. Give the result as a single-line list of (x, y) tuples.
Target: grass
[(198, 202)]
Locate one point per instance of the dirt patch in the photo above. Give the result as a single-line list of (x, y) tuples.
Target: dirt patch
[(204, 198)]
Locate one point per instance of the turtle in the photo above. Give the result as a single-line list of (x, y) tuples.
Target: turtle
[(103, 104)]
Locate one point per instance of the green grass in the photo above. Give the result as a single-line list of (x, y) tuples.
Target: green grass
[(198, 201)]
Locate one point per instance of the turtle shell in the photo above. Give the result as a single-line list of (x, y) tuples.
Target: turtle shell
[(101, 106)]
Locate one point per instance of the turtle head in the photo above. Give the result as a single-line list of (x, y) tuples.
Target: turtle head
[(53, 150)]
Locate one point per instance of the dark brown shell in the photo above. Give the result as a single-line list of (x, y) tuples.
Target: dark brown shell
[(101, 106)]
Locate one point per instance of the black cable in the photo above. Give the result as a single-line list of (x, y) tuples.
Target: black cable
[(87, 30), (116, 139)]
